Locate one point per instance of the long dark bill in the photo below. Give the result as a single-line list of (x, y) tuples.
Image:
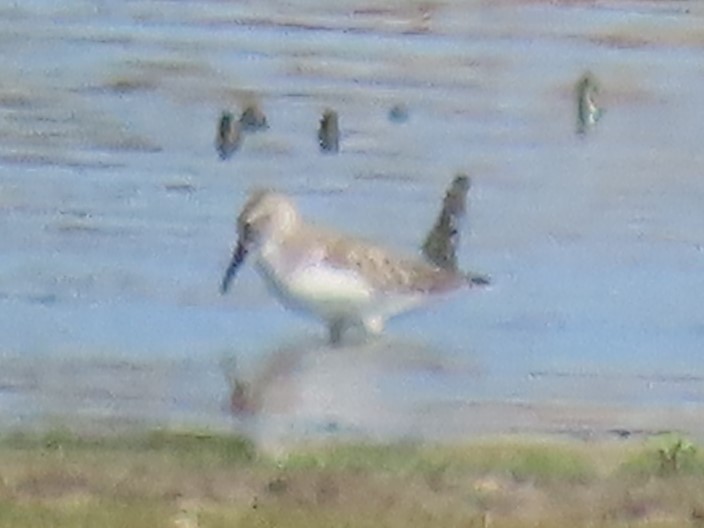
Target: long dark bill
[(238, 257)]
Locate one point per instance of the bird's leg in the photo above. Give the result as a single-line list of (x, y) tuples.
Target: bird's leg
[(336, 329)]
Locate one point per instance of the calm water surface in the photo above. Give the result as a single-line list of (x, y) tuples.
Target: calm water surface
[(117, 215)]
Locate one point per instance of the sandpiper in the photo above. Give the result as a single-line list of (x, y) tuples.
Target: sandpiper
[(344, 280)]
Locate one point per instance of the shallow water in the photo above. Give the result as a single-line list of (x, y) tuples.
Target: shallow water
[(117, 215)]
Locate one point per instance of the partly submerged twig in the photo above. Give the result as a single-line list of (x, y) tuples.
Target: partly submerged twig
[(228, 137), (441, 243), (440, 246), (329, 132), (588, 111)]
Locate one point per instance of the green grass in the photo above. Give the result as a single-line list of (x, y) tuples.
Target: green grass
[(523, 461), (200, 479), (189, 446), (665, 455), (84, 514)]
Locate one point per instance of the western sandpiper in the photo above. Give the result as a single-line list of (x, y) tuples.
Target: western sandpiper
[(344, 280)]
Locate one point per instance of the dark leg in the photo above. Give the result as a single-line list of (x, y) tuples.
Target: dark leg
[(337, 328)]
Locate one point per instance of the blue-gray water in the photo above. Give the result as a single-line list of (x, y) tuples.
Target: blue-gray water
[(117, 217)]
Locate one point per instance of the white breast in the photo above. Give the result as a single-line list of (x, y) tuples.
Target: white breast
[(323, 284), (314, 286)]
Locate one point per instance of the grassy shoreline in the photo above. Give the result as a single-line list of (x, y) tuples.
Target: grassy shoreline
[(199, 479)]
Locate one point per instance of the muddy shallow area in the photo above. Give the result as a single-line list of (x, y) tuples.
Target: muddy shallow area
[(117, 214)]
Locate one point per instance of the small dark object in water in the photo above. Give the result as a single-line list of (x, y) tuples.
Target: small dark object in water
[(440, 246), (253, 119), (588, 111), (477, 279), (181, 187), (398, 113), (329, 132), (621, 432), (241, 400), (229, 136)]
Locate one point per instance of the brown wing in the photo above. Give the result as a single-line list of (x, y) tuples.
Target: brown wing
[(383, 269)]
